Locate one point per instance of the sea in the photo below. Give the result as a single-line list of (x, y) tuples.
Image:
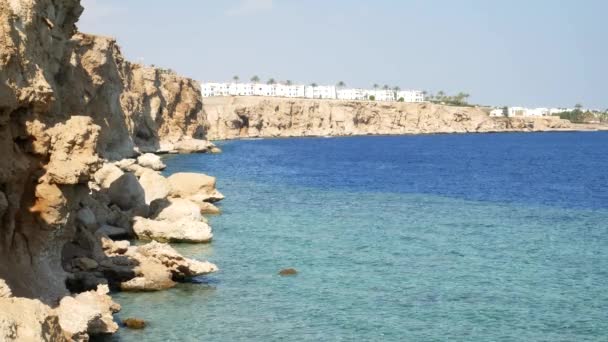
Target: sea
[(464, 237)]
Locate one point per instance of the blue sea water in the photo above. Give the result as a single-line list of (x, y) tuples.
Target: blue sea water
[(487, 237)]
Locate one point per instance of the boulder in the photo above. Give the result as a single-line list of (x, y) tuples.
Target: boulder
[(180, 267), (175, 209), (183, 230), (85, 264), (88, 313), (111, 247), (151, 161), (192, 146), (107, 175), (126, 192), (151, 275), (126, 164), (155, 186), (86, 217), (197, 186), (23, 319)]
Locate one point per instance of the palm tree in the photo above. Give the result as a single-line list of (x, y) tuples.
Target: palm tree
[(271, 81), (288, 82), (376, 86), (235, 78), (341, 84), (314, 84), (396, 89), (386, 87), (440, 95), (255, 79)]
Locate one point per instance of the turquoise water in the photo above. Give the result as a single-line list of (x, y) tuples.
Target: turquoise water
[(426, 238)]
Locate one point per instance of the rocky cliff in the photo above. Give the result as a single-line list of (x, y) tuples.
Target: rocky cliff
[(71, 110), (241, 117)]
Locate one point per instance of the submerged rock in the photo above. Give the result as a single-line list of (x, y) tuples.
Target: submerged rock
[(134, 323), (288, 272)]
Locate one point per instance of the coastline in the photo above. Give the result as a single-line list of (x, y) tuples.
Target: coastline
[(82, 176), (557, 130), (266, 117)]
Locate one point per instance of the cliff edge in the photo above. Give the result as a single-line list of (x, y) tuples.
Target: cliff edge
[(72, 113), (243, 117)]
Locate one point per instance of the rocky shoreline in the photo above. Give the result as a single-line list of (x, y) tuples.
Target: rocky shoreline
[(80, 130), (239, 117), (78, 181)]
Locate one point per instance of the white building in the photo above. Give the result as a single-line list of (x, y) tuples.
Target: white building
[(284, 90), (214, 89), (321, 92), (352, 94), (497, 112), (530, 112), (240, 89), (311, 92), (381, 95), (410, 96)]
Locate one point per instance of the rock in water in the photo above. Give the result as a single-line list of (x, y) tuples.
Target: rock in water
[(186, 185), (134, 323), (183, 230), (288, 272)]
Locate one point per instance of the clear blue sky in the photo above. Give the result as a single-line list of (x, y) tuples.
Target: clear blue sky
[(515, 52)]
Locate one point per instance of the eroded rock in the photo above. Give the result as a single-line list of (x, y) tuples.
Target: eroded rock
[(183, 230), (24, 319), (126, 192), (151, 161), (197, 186), (175, 209), (155, 186), (88, 313), (107, 175)]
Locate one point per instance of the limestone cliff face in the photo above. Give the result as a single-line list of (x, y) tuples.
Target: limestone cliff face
[(67, 102), (241, 117), (135, 105)]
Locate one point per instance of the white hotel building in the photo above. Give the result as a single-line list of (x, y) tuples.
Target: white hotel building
[(527, 112), (310, 92)]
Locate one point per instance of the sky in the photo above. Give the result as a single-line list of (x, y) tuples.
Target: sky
[(536, 53)]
